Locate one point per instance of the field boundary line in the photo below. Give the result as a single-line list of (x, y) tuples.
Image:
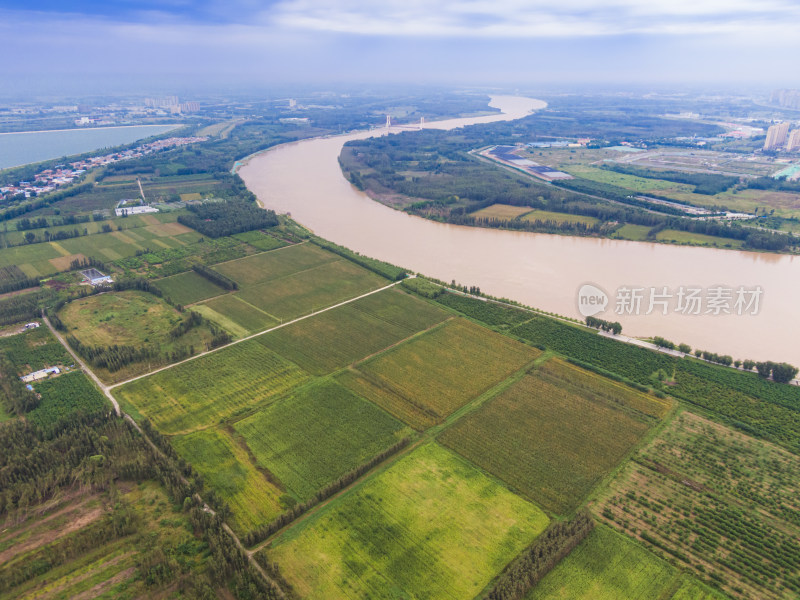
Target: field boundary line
[(604, 485), (249, 337), (477, 402), (225, 262), (408, 338), (253, 306), (379, 468), (288, 275)]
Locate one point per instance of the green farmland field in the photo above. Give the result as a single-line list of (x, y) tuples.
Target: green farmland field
[(720, 503), (227, 470), (554, 434), (637, 233), (309, 290), (699, 239), (33, 350), (546, 215), (691, 589), (188, 288), (232, 308), (427, 378), (501, 212), (274, 265), (64, 396), (349, 333), (431, 526), (211, 388), (606, 566), (260, 240), (318, 434)]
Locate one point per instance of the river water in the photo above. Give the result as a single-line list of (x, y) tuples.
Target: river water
[(541, 270)]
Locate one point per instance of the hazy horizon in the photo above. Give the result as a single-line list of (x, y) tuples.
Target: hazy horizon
[(96, 47)]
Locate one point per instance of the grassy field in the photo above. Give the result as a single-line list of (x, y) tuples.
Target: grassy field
[(349, 333), (316, 435), (269, 266), (230, 310), (131, 318), (431, 526), (697, 239), (606, 566), (786, 204), (637, 233), (312, 289), (212, 388), (546, 215), (720, 503), (643, 185), (188, 288), (501, 211), (109, 569), (427, 378), (226, 469), (554, 434), (690, 588)]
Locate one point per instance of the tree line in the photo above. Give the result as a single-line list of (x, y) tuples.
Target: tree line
[(15, 398), (261, 533), (215, 277), (384, 269), (615, 327), (12, 278), (536, 561), (23, 307), (42, 222)]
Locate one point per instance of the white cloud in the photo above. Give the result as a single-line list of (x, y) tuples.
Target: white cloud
[(520, 18)]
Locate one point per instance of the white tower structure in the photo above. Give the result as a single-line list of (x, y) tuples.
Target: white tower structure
[(388, 121)]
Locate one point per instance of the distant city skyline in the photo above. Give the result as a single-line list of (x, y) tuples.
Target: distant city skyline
[(48, 44)]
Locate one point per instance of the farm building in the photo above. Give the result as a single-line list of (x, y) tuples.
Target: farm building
[(95, 277), (135, 210), (41, 374)]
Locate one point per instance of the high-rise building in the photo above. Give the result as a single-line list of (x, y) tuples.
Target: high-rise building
[(794, 140), (776, 136), (787, 98)]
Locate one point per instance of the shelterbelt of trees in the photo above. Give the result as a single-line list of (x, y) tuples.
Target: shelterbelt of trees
[(443, 181)]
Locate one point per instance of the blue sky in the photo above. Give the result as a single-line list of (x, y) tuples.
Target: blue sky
[(474, 42)]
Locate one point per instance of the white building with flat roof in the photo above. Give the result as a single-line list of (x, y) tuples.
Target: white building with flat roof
[(134, 210), (40, 374)]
